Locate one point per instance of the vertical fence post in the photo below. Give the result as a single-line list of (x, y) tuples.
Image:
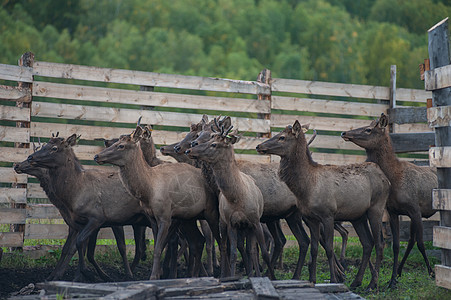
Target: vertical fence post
[(264, 77), (438, 47), (392, 93), (26, 60)]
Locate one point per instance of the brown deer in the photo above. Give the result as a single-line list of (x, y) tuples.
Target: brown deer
[(88, 199), (327, 193), (411, 192), (167, 191), (240, 200)]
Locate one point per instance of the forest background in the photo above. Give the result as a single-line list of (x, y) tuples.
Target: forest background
[(343, 41)]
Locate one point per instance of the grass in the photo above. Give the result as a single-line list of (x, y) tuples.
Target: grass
[(413, 284)]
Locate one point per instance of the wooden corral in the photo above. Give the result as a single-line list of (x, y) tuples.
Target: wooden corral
[(193, 288), (438, 80), (38, 99)]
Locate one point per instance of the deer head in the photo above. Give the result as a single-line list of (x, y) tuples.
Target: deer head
[(210, 129), (55, 153), (371, 136), (118, 153), (192, 134), (285, 141), (216, 147)]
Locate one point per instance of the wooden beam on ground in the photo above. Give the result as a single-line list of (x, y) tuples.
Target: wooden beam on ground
[(441, 199), (263, 288), (439, 116), (405, 115), (15, 93), (412, 142)]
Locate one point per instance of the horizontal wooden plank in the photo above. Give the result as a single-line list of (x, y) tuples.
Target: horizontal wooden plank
[(12, 154), (11, 239), (412, 95), (68, 71), (34, 190), (13, 113), (412, 142), (331, 158), (439, 116), (442, 237), (109, 95), (110, 114), (60, 231), (13, 195), (8, 175), (15, 73), (329, 106), (411, 128), (443, 276), (437, 78), (42, 211), (441, 199), (14, 134), (15, 93), (403, 115), (440, 157), (13, 216), (319, 123)]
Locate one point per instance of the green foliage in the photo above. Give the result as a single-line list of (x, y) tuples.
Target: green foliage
[(329, 40)]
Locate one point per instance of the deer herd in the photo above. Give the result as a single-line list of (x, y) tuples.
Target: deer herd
[(238, 204)]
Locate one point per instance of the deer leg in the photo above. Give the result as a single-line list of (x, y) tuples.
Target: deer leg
[(252, 243), (278, 241), (339, 270), (244, 251), (225, 264), (163, 230), (375, 219), (362, 230), (338, 226), (394, 226), (283, 241), (120, 240), (67, 253), (196, 245), (171, 257), (258, 231), (90, 255), (209, 245), (328, 224), (295, 224), (82, 237), (314, 227), (232, 234), (139, 233)]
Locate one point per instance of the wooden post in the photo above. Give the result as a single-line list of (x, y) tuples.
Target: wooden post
[(264, 77), (392, 93), (26, 60), (438, 47)]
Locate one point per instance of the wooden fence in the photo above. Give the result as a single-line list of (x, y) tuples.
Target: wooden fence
[(438, 80), (105, 103)]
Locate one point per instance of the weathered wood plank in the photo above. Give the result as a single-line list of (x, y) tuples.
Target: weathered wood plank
[(442, 237), (443, 276), (13, 216), (263, 288), (136, 291), (404, 115), (14, 134), (346, 90), (15, 93), (109, 95), (319, 123), (437, 78), (34, 190), (15, 73), (111, 114), (331, 287), (411, 128), (11, 239), (14, 113), (441, 199), (284, 284), (329, 106), (57, 70), (440, 157), (13, 195), (331, 158), (42, 211), (412, 142), (11, 154), (439, 116), (8, 175)]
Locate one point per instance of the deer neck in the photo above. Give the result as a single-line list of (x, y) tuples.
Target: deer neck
[(207, 173), (136, 175), (150, 154), (297, 169), (228, 176), (385, 157)]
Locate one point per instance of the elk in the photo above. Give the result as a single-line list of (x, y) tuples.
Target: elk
[(327, 193), (90, 199), (279, 201), (167, 191), (411, 192), (240, 199)]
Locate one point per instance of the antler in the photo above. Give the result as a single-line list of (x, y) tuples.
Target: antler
[(139, 121), (228, 130), (312, 138)]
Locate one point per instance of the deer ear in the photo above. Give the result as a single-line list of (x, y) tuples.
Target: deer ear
[(226, 122), (137, 134), (383, 121), (72, 140), (194, 127), (148, 131), (305, 127), (232, 139), (108, 143), (204, 119)]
